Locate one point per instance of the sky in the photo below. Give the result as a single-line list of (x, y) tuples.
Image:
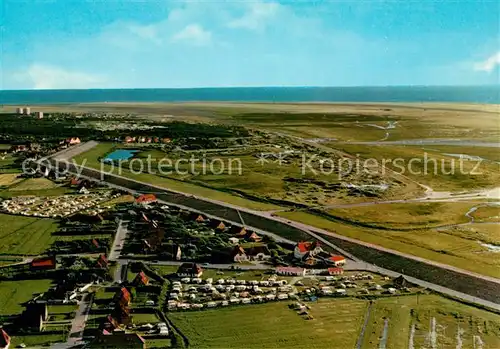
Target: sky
[(63, 44)]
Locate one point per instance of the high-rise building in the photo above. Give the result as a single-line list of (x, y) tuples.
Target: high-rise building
[(39, 114), (20, 110), (27, 111)]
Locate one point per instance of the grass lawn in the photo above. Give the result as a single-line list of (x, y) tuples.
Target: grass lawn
[(335, 325), (91, 159), (448, 246), (7, 179), (139, 318), (26, 235), (405, 216), (34, 184), (14, 293), (39, 339)]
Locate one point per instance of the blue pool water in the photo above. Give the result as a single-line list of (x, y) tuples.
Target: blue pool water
[(120, 154)]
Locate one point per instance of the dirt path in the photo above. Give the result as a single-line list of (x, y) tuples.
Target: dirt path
[(361, 337)]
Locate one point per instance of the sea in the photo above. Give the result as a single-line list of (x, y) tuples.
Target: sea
[(467, 94)]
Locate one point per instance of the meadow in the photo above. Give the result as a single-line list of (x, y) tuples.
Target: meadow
[(14, 293), (337, 323), (405, 216), (26, 235)]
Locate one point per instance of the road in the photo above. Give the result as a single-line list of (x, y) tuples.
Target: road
[(78, 324), (265, 221)]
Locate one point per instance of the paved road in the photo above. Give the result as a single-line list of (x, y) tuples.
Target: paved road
[(78, 324), (265, 219), (120, 237)]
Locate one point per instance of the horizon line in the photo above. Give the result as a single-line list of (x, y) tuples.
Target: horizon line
[(238, 87)]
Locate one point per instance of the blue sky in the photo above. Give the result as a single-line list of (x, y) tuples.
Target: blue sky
[(161, 43)]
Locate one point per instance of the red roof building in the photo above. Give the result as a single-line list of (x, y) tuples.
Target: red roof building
[(4, 339), (335, 271), (44, 263), (123, 297), (73, 140), (146, 198), (102, 262), (337, 260), (290, 271), (141, 279), (304, 247)]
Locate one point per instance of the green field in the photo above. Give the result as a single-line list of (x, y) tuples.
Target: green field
[(26, 235), (34, 184), (337, 323), (14, 293), (405, 216)]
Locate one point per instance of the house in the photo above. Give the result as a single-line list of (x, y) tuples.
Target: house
[(129, 139), (335, 271), (258, 253), (238, 231), (118, 340), (102, 262), (199, 218), (123, 297), (43, 263), (146, 199), (18, 148), (34, 316), (73, 141), (74, 182), (4, 339), (218, 225), (234, 241), (337, 260), (166, 140), (141, 279), (84, 191), (189, 270), (290, 271), (305, 247), (110, 324), (238, 254), (401, 282), (253, 237)]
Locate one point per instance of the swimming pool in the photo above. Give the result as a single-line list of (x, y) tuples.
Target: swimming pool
[(120, 154)]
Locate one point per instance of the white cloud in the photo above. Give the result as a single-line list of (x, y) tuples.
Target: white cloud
[(193, 34), (41, 76), (489, 64), (149, 32), (259, 13)]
